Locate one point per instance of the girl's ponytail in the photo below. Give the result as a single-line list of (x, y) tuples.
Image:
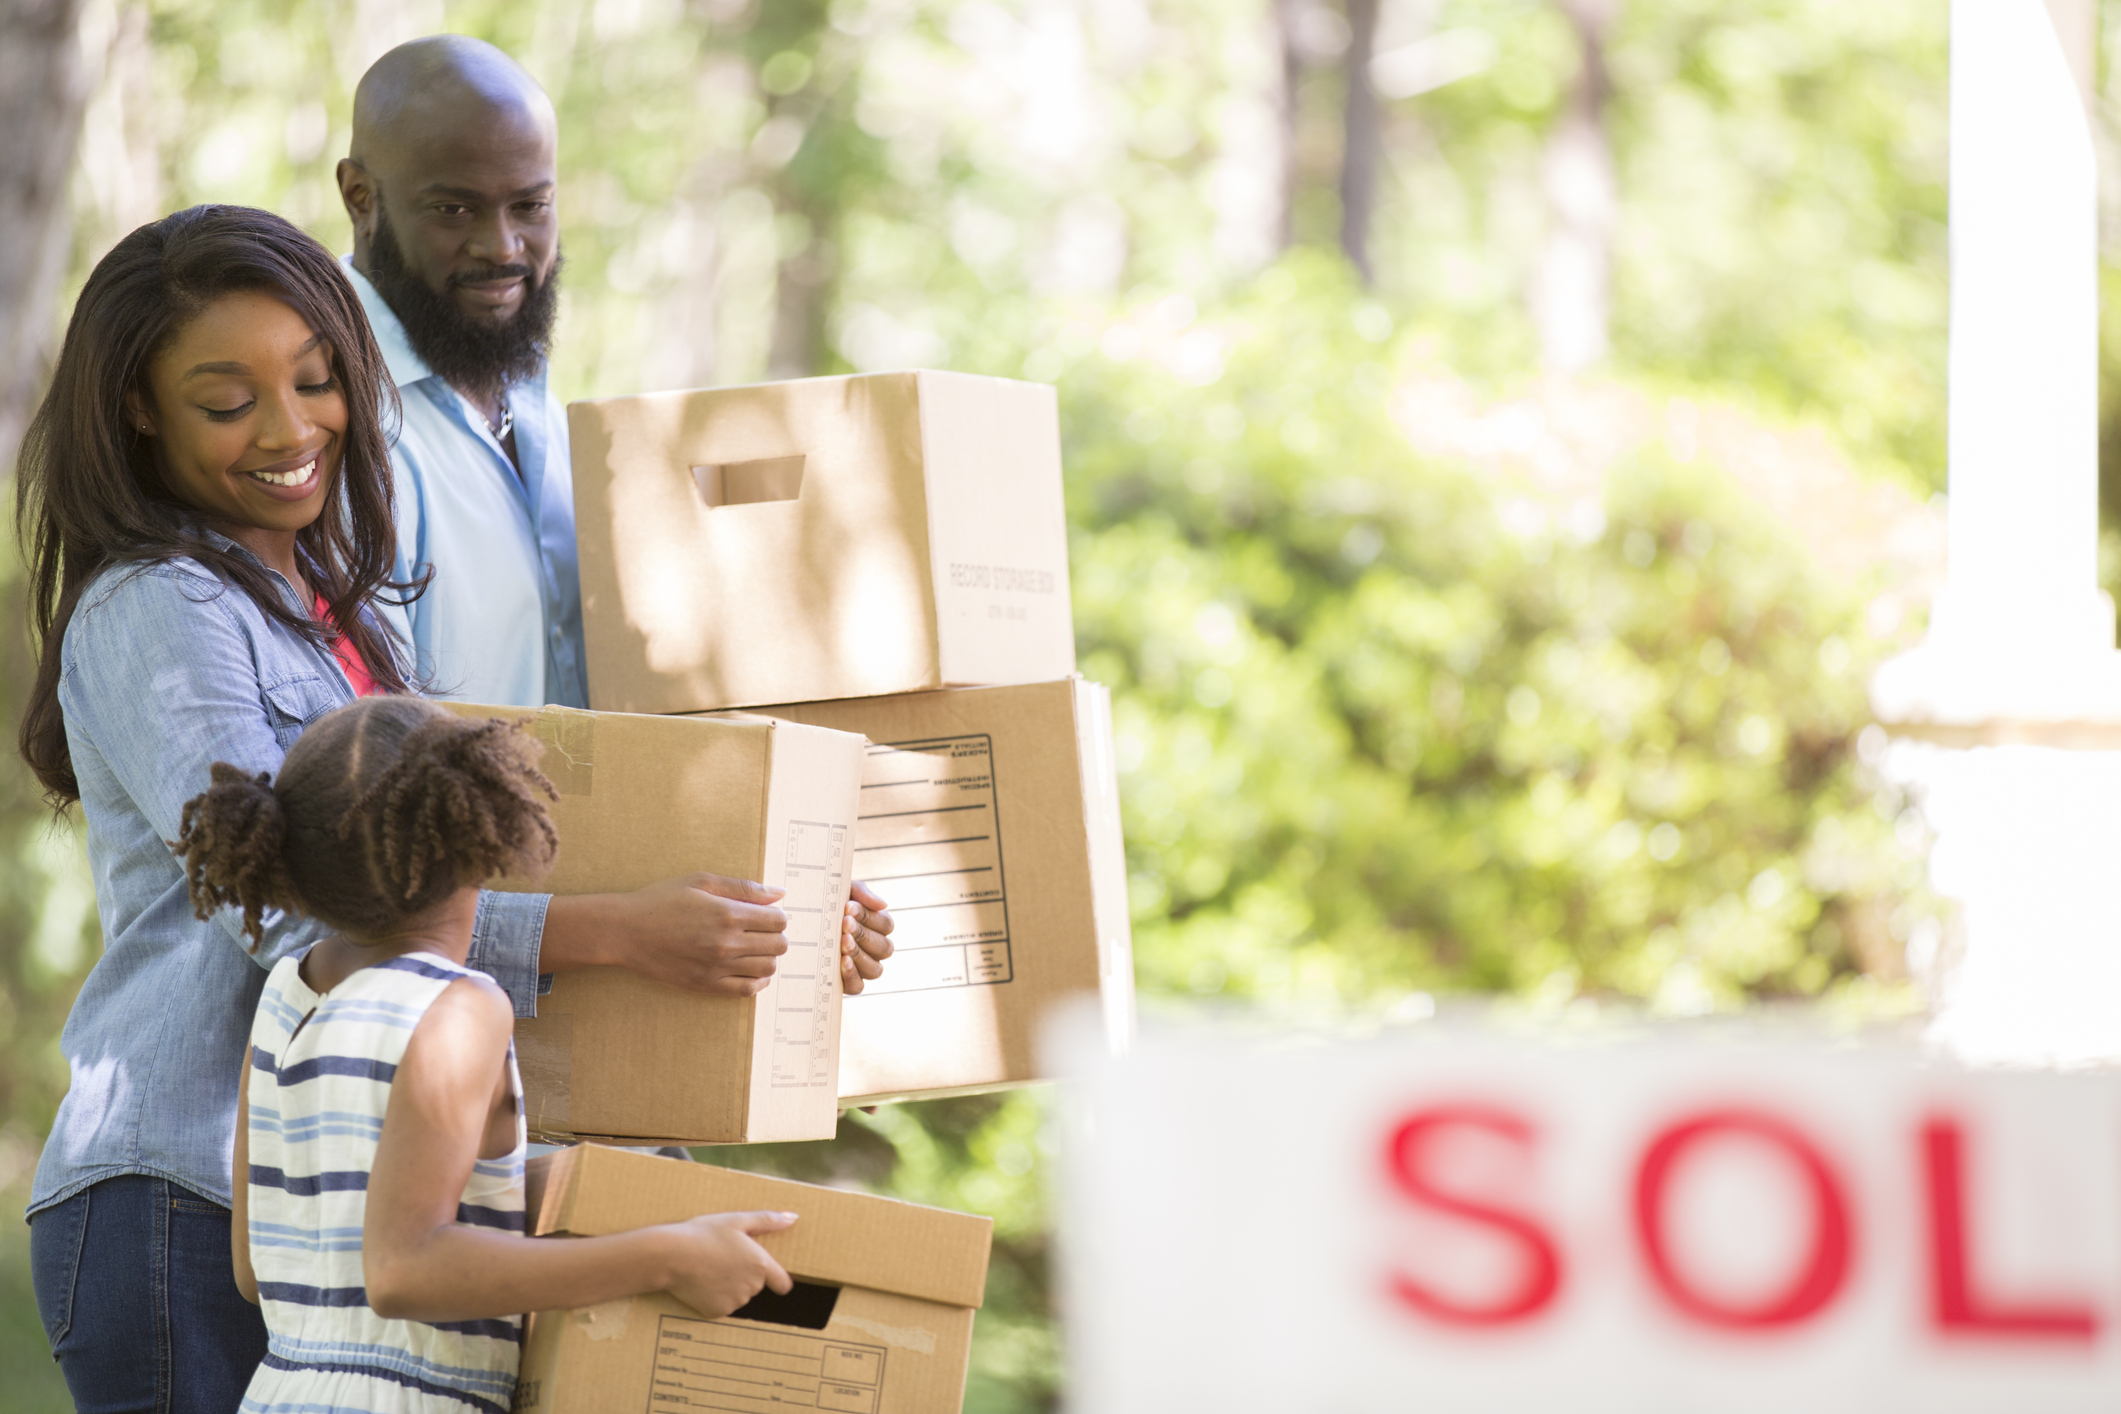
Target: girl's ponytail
[(233, 841), (382, 810), (463, 802)]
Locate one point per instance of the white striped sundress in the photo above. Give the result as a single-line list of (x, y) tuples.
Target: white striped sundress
[(321, 1068)]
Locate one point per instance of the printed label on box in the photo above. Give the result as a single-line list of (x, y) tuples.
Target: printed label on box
[(931, 843), (724, 1366), (802, 988)]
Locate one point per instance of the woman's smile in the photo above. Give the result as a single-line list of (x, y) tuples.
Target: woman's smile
[(291, 478)]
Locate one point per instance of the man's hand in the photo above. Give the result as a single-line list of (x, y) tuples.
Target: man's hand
[(701, 932), (865, 938)]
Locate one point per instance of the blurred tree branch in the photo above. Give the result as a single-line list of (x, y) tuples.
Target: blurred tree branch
[(45, 83), (1571, 293), (1288, 49), (1362, 145)]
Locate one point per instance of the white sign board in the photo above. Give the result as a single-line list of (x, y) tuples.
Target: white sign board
[(1700, 1227)]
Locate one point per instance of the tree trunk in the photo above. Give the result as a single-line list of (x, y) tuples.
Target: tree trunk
[(1289, 50), (44, 90), (1571, 288), (802, 296), (1361, 145)]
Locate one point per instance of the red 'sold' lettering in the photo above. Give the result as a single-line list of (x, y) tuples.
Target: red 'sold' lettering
[(1406, 1161), (1818, 1278), (1957, 1304)]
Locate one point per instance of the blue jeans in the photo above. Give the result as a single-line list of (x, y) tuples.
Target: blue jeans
[(138, 1295)]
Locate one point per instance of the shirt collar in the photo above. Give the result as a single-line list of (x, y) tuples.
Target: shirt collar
[(406, 367), (224, 543)]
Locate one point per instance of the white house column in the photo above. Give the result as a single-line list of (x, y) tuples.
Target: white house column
[(2024, 406), (2009, 717)]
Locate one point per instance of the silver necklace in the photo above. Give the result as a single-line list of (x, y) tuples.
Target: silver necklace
[(507, 424)]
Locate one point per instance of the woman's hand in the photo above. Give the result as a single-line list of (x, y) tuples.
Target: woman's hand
[(716, 1266), (865, 938)]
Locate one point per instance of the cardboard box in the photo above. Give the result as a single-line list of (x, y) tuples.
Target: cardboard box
[(821, 538), (614, 1055), (990, 824), (879, 1323)]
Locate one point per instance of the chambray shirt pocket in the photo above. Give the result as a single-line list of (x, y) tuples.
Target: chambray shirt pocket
[(293, 703)]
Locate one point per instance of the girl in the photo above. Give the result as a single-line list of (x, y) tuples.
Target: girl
[(205, 494), (384, 1144)]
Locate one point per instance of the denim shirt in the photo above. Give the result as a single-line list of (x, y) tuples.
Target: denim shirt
[(165, 670)]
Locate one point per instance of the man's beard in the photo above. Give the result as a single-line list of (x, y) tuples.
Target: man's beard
[(469, 353)]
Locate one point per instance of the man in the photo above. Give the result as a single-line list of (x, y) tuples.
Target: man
[(450, 184)]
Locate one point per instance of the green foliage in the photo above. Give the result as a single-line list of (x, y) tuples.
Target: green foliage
[(47, 933), (1794, 155), (34, 1385), (1376, 740), (1781, 171)]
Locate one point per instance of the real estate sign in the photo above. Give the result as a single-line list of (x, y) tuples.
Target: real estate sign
[(1453, 1221)]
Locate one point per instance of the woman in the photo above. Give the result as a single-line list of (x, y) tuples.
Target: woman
[(206, 496)]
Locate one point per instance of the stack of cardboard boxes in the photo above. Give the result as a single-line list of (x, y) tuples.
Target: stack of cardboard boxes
[(829, 639)]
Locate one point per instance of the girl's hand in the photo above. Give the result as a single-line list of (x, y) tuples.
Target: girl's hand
[(420, 1264), (717, 1267)]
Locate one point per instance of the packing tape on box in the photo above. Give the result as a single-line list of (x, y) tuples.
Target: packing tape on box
[(545, 1060), (570, 738), (918, 1339), (607, 1321)]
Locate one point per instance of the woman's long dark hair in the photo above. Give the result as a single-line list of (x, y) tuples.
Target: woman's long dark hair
[(89, 493)]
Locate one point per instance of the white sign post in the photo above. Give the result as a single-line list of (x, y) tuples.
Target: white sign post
[(1460, 1223)]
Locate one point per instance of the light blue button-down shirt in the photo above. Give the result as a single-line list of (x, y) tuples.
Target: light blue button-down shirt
[(501, 622), (164, 670)]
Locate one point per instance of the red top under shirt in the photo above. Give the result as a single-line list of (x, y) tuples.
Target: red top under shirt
[(349, 661)]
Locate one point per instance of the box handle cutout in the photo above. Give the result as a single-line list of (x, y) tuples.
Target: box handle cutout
[(808, 1305), (748, 483)]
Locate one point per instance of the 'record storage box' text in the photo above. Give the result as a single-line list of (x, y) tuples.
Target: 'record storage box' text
[(820, 538), (990, 823), (613, 1055), (880, 1321)]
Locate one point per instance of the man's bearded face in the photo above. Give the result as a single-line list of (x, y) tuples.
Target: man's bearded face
[(467, 351)]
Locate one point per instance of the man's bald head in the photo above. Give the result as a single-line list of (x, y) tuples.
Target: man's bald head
[(442, 83), (450, 184)]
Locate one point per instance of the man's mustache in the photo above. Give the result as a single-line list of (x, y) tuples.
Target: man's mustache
[(492, 272)]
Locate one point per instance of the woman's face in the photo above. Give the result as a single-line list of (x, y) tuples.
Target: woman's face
[(247, 414)]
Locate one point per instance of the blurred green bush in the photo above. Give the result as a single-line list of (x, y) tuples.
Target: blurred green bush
[(1376, 737)]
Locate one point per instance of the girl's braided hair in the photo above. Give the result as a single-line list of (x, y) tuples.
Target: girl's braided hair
[(382, 810)]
